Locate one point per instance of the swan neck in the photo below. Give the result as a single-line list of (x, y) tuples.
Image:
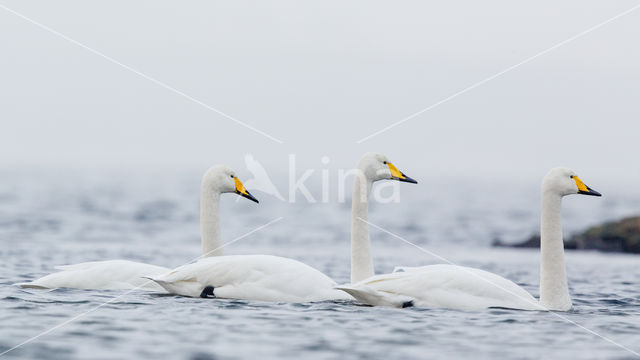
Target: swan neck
[(361, 261), (210, 222), (554, 290)]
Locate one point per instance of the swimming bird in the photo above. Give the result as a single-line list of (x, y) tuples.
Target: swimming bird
[(246, 277), (125, 274), (459, 287)]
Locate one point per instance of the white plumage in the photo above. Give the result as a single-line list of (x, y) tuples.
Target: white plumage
[(102, 275), (251, 277), (442, 286)]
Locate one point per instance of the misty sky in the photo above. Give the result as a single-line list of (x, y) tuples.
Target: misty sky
[(320, 76)]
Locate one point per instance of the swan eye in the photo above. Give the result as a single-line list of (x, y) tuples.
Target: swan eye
[(231, 176), (384, 162), (571, 176)]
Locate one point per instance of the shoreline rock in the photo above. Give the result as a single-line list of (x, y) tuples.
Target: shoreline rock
[(615, 236)]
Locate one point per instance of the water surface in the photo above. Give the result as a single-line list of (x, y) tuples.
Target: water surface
[(97, 217)]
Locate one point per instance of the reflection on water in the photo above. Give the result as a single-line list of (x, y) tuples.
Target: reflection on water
[(155, 220)]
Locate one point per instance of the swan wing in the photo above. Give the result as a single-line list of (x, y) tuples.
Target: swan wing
[(251, 277), (101, 275)]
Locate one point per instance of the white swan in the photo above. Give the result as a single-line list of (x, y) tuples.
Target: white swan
[(100, 275), (124, 274), (251, 277), (246, 277), (459, 287)]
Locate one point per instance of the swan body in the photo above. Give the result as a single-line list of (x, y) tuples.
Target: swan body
[(442, 286), (251, 277), (101, 275), (458, 287)]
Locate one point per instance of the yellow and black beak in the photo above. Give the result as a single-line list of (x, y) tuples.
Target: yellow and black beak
[(398, 175), (240, 190), (584, 189)]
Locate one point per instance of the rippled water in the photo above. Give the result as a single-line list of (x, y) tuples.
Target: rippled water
[(77, 217)]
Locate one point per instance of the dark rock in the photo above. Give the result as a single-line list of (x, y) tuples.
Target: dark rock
[(619, 236), (615, 236)]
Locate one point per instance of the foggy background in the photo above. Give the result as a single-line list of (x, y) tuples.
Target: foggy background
[(320, 76)]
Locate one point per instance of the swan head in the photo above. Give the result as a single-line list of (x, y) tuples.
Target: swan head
[(377, 167), (563, 181), (222, 179)]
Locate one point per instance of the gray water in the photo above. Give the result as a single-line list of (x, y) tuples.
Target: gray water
[(49, 219)]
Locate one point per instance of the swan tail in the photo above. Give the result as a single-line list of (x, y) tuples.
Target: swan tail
[(165, 285), (180, 287), (31, 285), (370, 296), (154, 279)]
